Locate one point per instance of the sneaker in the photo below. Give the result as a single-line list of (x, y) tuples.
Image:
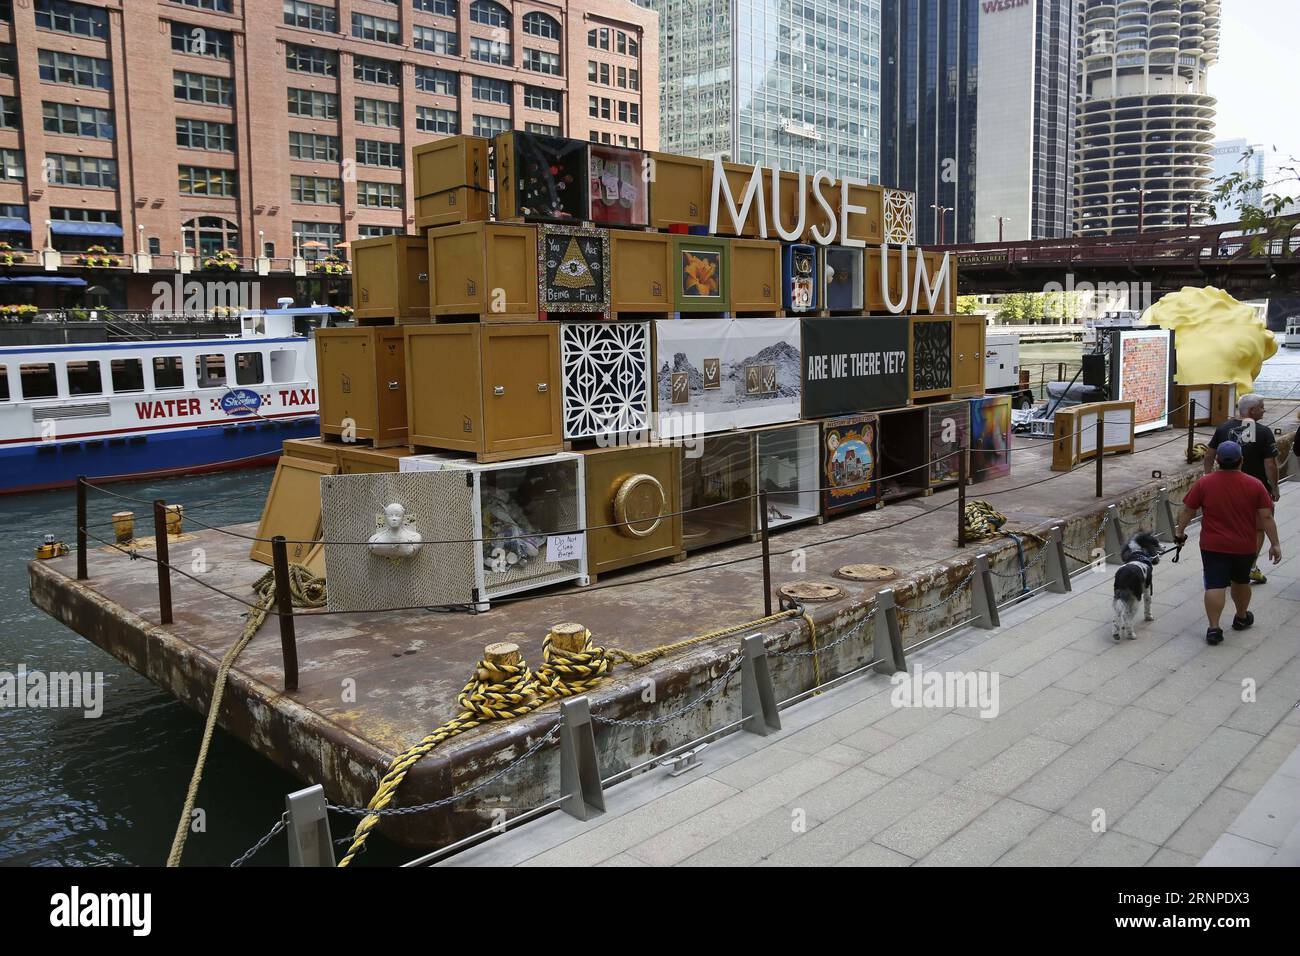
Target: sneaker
[(1214, 635), (1243, 622), (1257, 576)]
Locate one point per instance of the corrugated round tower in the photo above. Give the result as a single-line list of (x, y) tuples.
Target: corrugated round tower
[(1145, 121)]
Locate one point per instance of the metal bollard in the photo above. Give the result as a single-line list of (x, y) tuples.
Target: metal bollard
[(163, 560), (887, 642), (1058, 573), (767, 557), (757, 697), (284, 603), (584, 795), (82, 538), (983, 599), (1113, 539), (310, 843)]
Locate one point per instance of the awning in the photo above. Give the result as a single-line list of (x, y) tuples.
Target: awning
[(44, 280), (104, 229), (14, 225)]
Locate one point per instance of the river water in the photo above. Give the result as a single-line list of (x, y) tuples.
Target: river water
[(107, 791)]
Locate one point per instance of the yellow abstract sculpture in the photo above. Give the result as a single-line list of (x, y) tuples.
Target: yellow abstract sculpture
[(1218, 338)]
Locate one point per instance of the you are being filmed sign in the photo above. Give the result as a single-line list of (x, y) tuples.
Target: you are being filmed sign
[(854, 364)]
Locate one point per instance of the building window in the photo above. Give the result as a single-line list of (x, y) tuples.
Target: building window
[(8, 65), (631, 45), (489, 126), (537, 98), (317, 239), (592, 71), (366, 69), (489, 51), (217, 6), (109, 217), (491, 91), (85, 378), (201, 88), (90, 172), (540, 25), (308, 59), (208, 235), (433, 40), (205, 181), (248, 368), (622, 111), (489, 13), (634, 113), (69, 119), (604, 74), (633, 80), (313, 104), (314, 147), (127, 375), (62, 16), (542, 62), (429, 119), (377, 112), (68, 68), (372, 152), (546, 129), (445, 8), (210, 370), (315, 190), (11, 116), (6, 16), (593, 107), (621, 42), (376, 232), (311, 16), (430, 79), (201, 41), (379, 29), (605, 107), (379, 195), (202, 134), (38, 380), (13, 165)]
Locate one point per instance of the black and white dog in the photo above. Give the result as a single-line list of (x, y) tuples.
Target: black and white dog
[(1133, 582)]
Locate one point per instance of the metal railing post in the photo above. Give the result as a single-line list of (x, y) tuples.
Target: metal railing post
[(887, 642), (1113, 541), (310, 842), (767, 557), (1058, 573), (1164, 515), (1101, 457), (284, 605), (962, 468), (984, 602), (163, 560), (82, 537), (1191, 430), (757, 697), (584, 796)]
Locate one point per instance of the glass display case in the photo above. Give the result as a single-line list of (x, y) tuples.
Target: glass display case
[(717, 489), (842, 279), (788, 470), (990, 437), (949, 433), (904, 453)]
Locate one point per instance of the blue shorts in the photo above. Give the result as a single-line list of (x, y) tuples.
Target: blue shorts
[(1224, 569)]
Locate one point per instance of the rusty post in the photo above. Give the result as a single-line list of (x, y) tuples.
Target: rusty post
[(1191, 430), (1101, 456), (82, 572), (163, 561), (284, 602), (962, 467), (767, 557)]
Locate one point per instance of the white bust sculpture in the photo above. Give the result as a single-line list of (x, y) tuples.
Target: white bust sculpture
[(395, 538)]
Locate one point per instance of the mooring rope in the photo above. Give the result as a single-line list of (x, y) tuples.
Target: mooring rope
[(307, 591)]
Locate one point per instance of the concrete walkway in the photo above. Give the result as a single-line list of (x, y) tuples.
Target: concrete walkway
[(1137, 753)]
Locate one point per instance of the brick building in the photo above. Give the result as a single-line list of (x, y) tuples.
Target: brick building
[(168, 130)]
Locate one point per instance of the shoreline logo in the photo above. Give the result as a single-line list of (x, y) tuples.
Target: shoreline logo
[(177, 296), (978, 690), (74, 910), (35, 690), (240, 401)]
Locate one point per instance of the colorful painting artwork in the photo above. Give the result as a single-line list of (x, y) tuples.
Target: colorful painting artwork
[(990, 437), (619, 196), (800, 263), (849, 463), (573, 269), (1144, 376), (701, 273), (551, 181), (949, 428)]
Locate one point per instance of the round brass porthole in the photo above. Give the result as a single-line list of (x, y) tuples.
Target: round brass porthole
[(811, 591), (866, 572), (639, 505)]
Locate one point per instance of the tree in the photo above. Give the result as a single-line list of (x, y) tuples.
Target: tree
[(1238, 189), (966, 304)]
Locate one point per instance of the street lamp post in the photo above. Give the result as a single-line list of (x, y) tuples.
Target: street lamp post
[(1001, 220), (942, 211)]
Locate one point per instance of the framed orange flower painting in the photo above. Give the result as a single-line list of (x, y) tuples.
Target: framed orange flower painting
[(702, 281)]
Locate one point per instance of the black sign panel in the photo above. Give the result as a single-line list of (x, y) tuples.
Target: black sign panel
[(854, 364)]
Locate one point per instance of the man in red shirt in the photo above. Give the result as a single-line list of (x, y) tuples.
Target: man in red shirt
[(1235, 507)]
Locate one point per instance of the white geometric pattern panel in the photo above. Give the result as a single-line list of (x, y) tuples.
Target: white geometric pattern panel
[(900, 216), (606, 377)]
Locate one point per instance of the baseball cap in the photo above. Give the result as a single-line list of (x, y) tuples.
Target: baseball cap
[(1228, 452)]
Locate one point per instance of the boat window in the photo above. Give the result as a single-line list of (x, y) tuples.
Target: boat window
[(282, 362), (84, 378), (168, 372), (128, 375), (248, 368), (39, 380), (211, 369), (4, 384)]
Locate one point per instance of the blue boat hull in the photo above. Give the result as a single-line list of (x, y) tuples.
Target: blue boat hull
[(179, 451)]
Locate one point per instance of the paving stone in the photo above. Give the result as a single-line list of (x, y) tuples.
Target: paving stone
[(622, 859), (1208, 822), (1057, 842), (990, 835), (1167, 857), (869, 740), (1232, 850), (873, 855), (1117, 849), (914, 750), (1011, 768), (1275, 698), (1131, 684), (1260, 764), (1169, 744), (1173, 800), (1078, 721), (841, 754), (921, 831), (1212, 706), (756, 767), (750, 843), (1115, 792), (996, 735), (1271, 814), (1191, 678), (839, 793)]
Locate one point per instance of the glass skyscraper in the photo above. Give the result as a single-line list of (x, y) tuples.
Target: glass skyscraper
[(788, 82)]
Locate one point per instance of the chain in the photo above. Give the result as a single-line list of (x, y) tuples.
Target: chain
[(952, 595), (257, 847), (851, 632), (656, 721), (454, 798), (1029, 565)]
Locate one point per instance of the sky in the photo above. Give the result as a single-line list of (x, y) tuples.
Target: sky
[(1256, 79)]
